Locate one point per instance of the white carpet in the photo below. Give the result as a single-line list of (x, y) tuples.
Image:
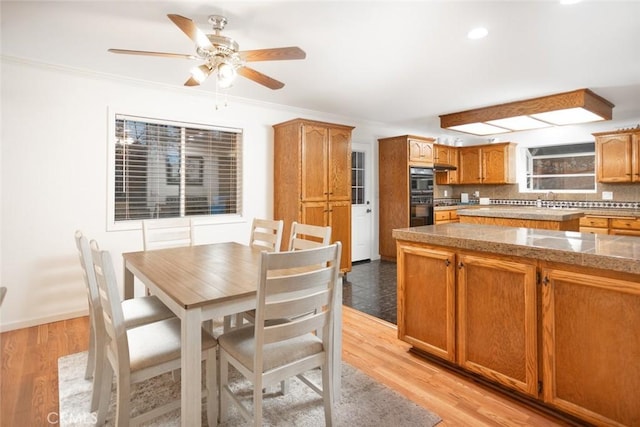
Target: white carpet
[(364, 402)]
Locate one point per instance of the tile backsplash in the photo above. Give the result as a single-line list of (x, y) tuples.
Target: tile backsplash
[(625, 196)]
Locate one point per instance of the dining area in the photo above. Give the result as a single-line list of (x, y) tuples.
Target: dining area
[(269, 310)]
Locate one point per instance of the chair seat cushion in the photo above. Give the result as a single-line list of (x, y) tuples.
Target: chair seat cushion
[(159, 342), (141, 310), (240, 344)]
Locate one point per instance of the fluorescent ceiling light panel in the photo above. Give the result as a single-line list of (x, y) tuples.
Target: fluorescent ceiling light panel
[(479, 129), (519, 123), (578, 106), (568, 116)]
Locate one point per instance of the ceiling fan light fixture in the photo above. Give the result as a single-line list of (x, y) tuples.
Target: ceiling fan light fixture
[(200, 73), (575, 107), (226, 74)]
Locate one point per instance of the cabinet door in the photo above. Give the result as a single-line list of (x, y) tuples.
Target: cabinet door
[(497, 332), (614, 158), (494, 165), (314, 213), (313, 165), (339, 164), (426, 299), (590, 346), (339, 219), (421, 152), (469, 167), (635, 157)]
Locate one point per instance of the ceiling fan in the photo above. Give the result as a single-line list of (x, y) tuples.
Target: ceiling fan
[(221, 55)]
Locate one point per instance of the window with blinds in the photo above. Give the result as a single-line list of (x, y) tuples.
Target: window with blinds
[(171, 169), (568, 168)]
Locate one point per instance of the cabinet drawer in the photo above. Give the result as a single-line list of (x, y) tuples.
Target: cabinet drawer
[(621, 232), (594, 221), (625, 223), (453, 214), (594, 230), (441, 215)]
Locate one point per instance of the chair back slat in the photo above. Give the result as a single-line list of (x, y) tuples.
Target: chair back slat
[(307, 236), (166, 233), (266, 234)]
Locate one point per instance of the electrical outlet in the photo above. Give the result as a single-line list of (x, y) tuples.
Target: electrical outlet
[(446, 193), (476, 193), (607, 195)]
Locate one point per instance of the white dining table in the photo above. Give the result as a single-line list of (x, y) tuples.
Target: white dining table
[(205, 282)]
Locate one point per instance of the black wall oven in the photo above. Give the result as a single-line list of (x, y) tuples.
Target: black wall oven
[(421, 193)]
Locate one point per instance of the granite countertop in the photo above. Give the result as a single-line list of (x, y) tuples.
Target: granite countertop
[(631, 213), (608, 252), (540, 214)]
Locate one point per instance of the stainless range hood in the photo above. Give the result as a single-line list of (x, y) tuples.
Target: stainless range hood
[(438, 167)]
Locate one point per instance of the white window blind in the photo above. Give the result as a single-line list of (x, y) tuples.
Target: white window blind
[(568, 168), (171, 169)]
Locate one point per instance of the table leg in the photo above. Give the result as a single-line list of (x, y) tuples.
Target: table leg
[(191, 414), (128, 283)]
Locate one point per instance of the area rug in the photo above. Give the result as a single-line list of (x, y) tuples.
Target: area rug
[(364, 402)]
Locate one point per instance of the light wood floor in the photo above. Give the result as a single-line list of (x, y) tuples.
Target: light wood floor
[(29, 381)]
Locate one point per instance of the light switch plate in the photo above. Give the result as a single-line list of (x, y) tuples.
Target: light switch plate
[(607, 195)]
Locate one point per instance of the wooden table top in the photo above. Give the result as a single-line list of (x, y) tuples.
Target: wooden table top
[(197, 275)]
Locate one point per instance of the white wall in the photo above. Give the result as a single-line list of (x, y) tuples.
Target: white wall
[(54, 175)]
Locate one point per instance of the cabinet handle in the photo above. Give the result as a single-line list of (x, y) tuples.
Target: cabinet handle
[(460, 264), (447, 262), (545, 281)]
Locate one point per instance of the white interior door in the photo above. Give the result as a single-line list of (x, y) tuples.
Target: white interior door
[(361, 206)]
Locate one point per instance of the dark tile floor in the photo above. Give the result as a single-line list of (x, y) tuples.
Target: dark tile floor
[(370, 287)]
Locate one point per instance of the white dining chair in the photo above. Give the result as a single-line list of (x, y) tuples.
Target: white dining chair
[(300, 287), (137, 354), (136, 311), (306, 236), (166, 233), (266, 234)]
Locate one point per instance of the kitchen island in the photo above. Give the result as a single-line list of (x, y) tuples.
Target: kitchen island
[(549, 316), (529, 217)]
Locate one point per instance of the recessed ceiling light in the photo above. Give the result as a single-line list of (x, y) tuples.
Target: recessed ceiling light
[(477, 33)]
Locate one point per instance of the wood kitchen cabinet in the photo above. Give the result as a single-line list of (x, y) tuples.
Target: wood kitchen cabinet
[(426, 299), (591, 344), (617, 225), (421, 152), (312, 179), (487, 164), (497, 318), (618, 156), (446, 216), (447, 155), (395, 156)]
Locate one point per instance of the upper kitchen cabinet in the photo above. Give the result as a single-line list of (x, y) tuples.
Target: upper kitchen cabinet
[(487, 164), (421, 150), (446, 155), (618, 156), (312, 179)]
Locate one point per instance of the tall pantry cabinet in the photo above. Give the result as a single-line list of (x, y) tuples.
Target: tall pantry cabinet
[(312, 179)]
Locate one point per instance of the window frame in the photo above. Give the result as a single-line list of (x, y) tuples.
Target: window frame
[(136, 224), (528, 159)]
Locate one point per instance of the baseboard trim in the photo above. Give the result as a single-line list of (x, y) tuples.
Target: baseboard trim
[(6, 327)]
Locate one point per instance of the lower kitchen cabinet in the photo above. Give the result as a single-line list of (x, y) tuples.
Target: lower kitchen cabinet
[(426, 299), (497, 334), (591, 346)]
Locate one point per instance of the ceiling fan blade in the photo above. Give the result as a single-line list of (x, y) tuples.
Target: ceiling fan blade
[(275, 54), (191, 82), (148, 53), (191, 30), (260, 78)]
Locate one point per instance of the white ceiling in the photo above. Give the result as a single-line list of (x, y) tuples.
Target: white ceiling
[(401, 63)]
